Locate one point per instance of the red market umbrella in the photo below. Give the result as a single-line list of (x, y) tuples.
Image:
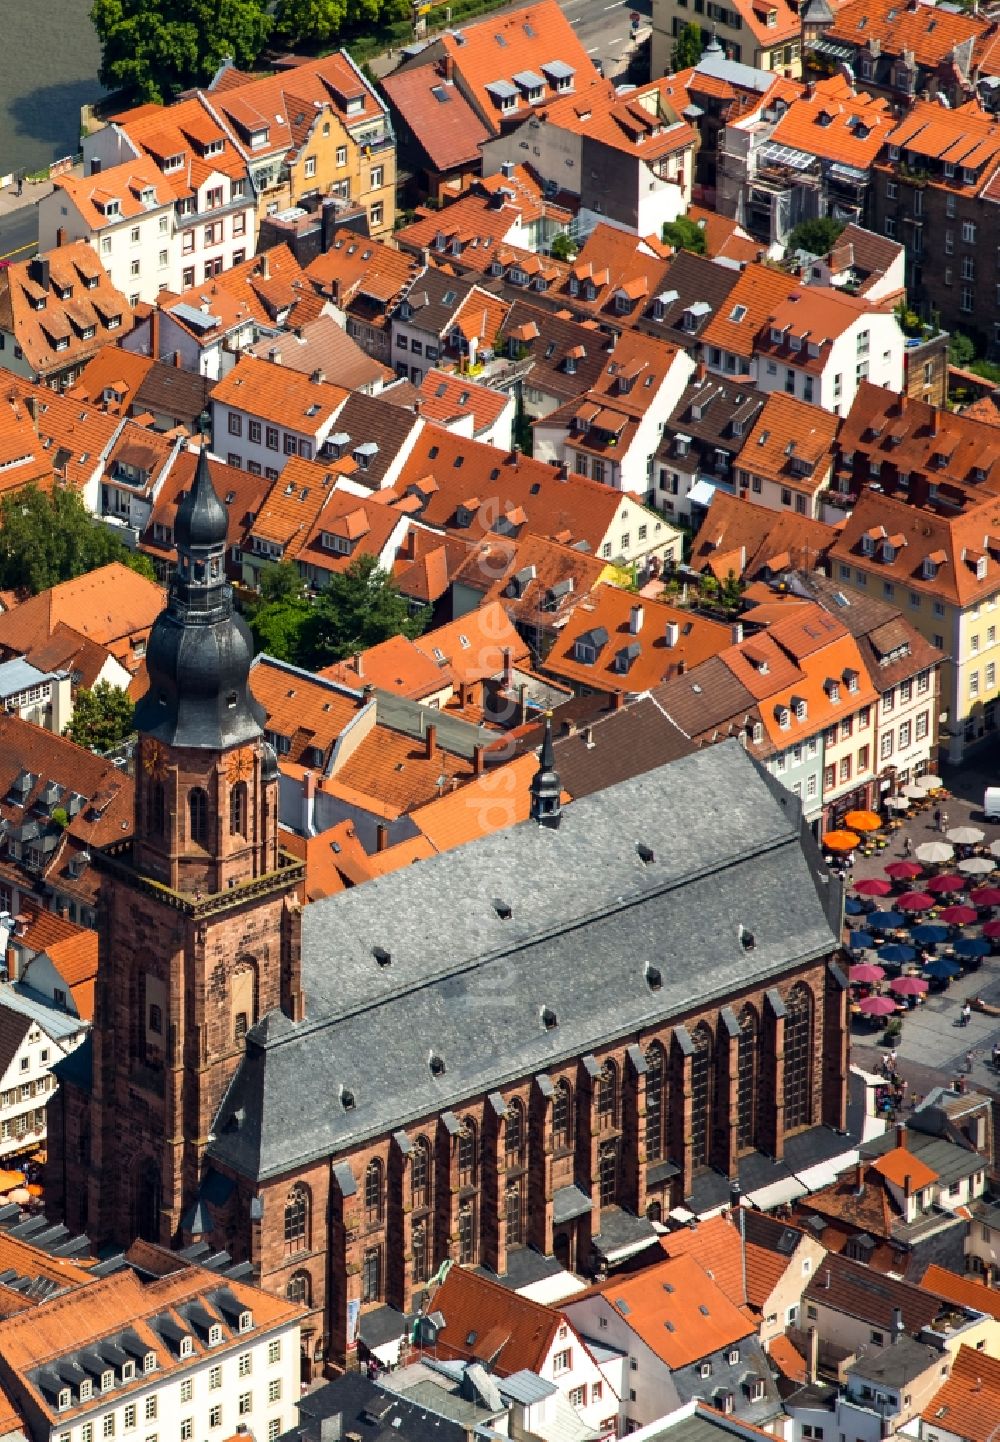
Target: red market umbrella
[(904, 870), (946, 882), (985, 896), (877, 1005), (914, 901), (908, 986), (958, 915), (992, 930), (873, 886), (865, 971)]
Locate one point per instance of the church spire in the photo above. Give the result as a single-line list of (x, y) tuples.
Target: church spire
[(199, 653), (546, 788)]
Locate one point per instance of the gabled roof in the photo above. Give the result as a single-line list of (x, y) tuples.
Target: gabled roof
[(355, 266), (186, 130), (445, 397), (264, 289), (747, 539), (487, 1322), (63, 316), (968, 1404), (279, 394), (905, 1170), (851, 1287), (397, 665), (792, 444), (241, 492), (667, 640), (434, 110), (472, 648), (968, 139), (123, 187), (14, 1027), (758, 290), (311, 713), (642, 122), (834, 121), (107, 605), (72, 435), (813, 316), (323, 346), (115, 370), (966, 1291), (900, 26), (288, 103), (504, 50), (677, 1310)]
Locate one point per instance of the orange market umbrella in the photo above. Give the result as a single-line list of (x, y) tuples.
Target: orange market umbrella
[(33, 1189), (863, 821), (840, 840), (10, 1179)]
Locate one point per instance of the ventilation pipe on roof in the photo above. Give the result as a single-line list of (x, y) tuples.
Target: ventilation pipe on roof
[(672, 633), (478, 760), (737, 632), (308, 804)]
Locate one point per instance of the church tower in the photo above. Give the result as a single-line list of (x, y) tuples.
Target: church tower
[(199, 919)]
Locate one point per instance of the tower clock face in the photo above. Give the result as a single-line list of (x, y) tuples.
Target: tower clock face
[(154, 759), (240, 764)]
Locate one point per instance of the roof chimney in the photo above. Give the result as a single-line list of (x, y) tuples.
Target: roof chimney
[(737, 632), (430, 736), (898, 1329), (672, 633), (359, 662), (901, 1136), (381, 837), (449, 70), (635, 616), (318, 376), (308, 803), (508, 668), (265, 265), (812, 1339), (60, 235), (478, 760)]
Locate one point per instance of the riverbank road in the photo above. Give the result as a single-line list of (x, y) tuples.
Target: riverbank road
[(19, 219)]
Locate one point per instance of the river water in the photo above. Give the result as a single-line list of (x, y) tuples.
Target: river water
[(49, 57)]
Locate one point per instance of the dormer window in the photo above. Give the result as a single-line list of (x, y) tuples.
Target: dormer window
[(214, 1335), (868, 545), (149, 1362), (784, 717), (172, 162), (833, 691), (888, 552), (128, 1371), (583, 652), (86, 1389), (107, 1380), (215, 147), (246, 1321), (981, 569), (64, 1399), (851, 678), (259, 138), (574, 285), (112, 209), (776, 336), (801, 710), (187, 1347)]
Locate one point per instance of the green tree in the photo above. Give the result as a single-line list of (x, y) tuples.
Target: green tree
[(817, 236), (563, 247), (50, 537), (684, 234), (360, 607), (961, 350), (687, 47), (281, 614), (731, 592), (315, 21), (101, 717), (154, 48)]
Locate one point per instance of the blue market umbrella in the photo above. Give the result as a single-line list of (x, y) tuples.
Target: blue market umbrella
[(973, 946), (941, 969), (853, 907), (930, 933), (896, 953), (885, 921), (861, 940)]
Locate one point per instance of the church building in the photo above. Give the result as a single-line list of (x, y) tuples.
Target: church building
[(534, 1045)]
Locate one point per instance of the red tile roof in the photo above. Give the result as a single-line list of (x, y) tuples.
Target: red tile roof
[(929, 33), (485, 1321), (436, 112), (64, 323), (968, 1404)]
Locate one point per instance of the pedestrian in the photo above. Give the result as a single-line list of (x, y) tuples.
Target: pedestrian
[(944, 821), (892, 1058), (970, 1057), (907, 846), (996, 1055), (886, 1064), (966, 1014), (937, 818)]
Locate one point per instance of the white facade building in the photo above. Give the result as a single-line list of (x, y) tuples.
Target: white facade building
[(33, 1037)]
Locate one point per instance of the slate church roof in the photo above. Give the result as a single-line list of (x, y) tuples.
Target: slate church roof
[(524, 949)]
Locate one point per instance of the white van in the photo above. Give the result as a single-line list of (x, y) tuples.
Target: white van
[(991, 803)]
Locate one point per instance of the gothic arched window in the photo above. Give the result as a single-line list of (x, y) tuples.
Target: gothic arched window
[(798, 1056), (513, 1137), (514, 1214), (421, 1251), (607, 1096), (655, 1072), (297, 1220), (467, 1233), (299, 1289), (238, 809), (198, 815), (468, 1158), (562, 1115), (746, 1079), (701, 1096), (607, 1173), (374, 1176), (420, 1173)]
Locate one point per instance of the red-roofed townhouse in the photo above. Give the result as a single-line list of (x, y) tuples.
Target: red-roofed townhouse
[(676, 1335), (468, 409), (139, 464), (786, 462), (611, 433), (765, 34), (212, 219), (263, 414), (778, 162), (126, 213), (468, 1317), (819, 344), (315, 127), (628, 158)]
